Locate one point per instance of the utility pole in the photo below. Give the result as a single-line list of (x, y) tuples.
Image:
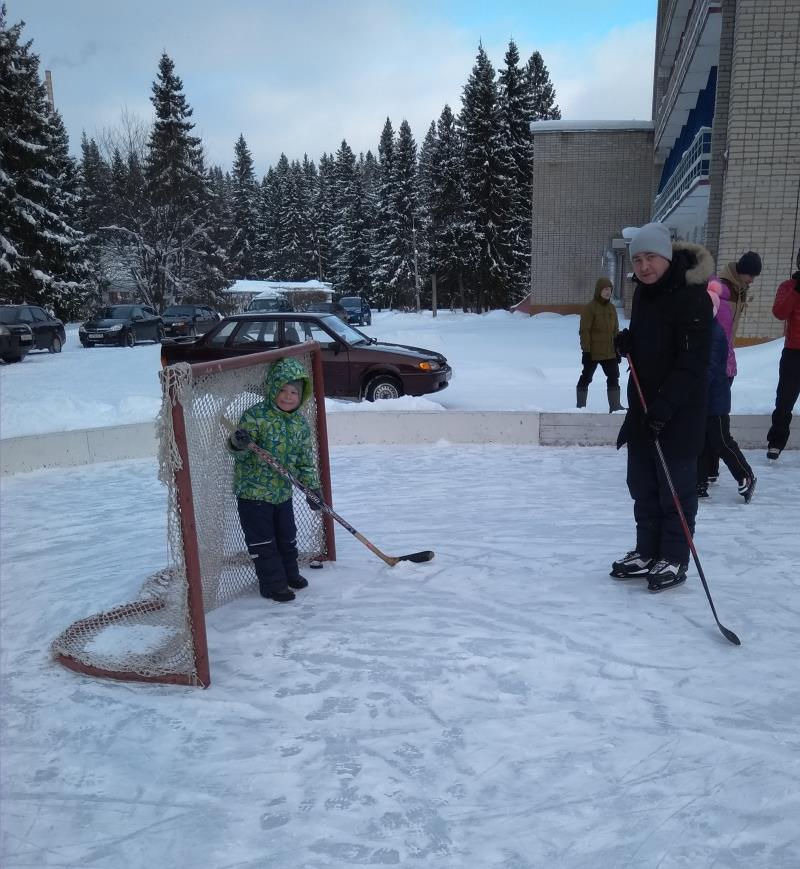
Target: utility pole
[(416, 268)]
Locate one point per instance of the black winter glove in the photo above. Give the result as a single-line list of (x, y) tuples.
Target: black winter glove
[(314, 505), (797, 285), (655, 424), (586, 358), (239, 440), (623, 343)]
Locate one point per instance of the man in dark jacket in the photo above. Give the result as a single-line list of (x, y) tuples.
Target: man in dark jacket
[(669, 343)]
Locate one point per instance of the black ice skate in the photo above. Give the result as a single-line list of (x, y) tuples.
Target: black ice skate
[(633, 565), (773, 453), (665, 574), (702, 489), (747, 487)]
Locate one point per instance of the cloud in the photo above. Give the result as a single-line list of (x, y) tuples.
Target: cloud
[(87, 52)]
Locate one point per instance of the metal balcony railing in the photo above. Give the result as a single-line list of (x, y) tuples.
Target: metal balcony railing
[(694, 166)]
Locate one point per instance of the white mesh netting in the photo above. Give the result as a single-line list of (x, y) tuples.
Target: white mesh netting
[(152, 637)]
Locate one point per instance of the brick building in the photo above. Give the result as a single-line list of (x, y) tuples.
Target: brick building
[(724, 149)]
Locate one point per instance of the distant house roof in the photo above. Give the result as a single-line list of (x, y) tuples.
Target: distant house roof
[(254, 287), (586, 126)]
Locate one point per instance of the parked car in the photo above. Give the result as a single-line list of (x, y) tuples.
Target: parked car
[(270, 300), (354, 365), (189, 320), (357, 309), (16, 339), (122, 325), (48, 331), (329, 308)]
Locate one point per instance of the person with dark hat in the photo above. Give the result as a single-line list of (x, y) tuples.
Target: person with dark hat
[(669, 343), (738, 276), (787, 308), (599, 326)]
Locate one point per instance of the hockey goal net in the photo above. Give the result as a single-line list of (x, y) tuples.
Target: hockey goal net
[(160, 636)]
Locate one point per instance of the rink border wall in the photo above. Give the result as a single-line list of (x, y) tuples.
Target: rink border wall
[(138, 440)]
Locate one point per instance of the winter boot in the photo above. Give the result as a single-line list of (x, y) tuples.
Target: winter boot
[(632, 566), (702, 490), (282, 595), (773, 453), (583, 394), (747, 487), (613, 399), (665, 574), (298, 582)]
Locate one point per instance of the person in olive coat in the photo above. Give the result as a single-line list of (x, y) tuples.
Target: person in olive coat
[(669, 344), (599, 326)]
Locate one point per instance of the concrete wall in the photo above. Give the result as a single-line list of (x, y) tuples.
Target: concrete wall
[(118, 443), (587, 185)]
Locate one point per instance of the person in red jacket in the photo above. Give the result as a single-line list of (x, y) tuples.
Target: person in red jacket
[(786, 308)]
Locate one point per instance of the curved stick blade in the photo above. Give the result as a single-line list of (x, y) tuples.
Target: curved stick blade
[(417, 557), (729, 635)]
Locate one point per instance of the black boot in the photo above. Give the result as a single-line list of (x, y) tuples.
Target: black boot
[(613, 399), (298, 582), (282, 595), (582, 394)]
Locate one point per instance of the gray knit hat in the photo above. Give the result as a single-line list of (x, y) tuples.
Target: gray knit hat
[(652, 238)]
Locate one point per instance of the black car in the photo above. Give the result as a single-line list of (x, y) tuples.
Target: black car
[(353, 364), (191, 320), (16, 339), (358, 312), (328, 308), (122, 325), (48, 331)]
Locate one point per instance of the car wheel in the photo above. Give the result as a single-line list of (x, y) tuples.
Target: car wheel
[(382, 387), (55, 344), (130, 338), (87, 344)]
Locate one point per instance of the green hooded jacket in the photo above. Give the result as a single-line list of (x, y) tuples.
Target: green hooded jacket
[(599, 326), (286, 436)]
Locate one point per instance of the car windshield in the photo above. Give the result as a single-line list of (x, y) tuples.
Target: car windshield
[(179, 311), (350, 302), (8, 314), (115, 312), (263, 305), (342, 330)]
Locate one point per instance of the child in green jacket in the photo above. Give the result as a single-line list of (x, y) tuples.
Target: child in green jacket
[(264, 498)]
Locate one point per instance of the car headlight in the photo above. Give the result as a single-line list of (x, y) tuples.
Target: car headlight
[(115, 328), (431, 365), (5, 331), (82, 330)]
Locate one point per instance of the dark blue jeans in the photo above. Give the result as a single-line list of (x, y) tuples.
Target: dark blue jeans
[(659, 532), (271, 536)]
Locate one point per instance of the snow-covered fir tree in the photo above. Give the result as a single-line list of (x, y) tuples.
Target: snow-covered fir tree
[(180, 257), (385, 251), (43, 256), (515, 102), (542, 92), (489, 176), (244, 205), (406, 217), (350, 267), (323, 211)]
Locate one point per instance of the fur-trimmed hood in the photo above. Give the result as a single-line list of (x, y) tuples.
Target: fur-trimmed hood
[(703, 267)]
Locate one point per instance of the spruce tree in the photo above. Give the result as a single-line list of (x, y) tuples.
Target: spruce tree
[(542, 92), (324, 210), (406, 218), (489, 176), (351, 260), (242, 250), (384, 250), (42, 249)]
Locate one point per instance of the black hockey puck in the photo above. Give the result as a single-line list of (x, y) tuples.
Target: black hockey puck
[(317, 565)]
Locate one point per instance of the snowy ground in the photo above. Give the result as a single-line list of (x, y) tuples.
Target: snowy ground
[(500, 361), (506, 705)]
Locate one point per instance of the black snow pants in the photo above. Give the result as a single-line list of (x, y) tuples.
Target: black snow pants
[(610, 369), (721, 443), (271, 536), (785, 398), (659, 533)]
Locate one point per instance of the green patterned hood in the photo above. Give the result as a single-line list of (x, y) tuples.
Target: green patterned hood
[(281, 373)]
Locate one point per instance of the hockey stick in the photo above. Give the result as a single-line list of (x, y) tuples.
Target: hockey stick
[(726, 632), (268, 458)]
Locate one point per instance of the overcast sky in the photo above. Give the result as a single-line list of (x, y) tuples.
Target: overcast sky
[(298, 77)]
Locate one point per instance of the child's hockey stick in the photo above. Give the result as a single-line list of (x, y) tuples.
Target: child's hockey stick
[(391, 560)]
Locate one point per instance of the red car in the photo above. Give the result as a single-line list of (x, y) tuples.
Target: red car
[(354, 365)]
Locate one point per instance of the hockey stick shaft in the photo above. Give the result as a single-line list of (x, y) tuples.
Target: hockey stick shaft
[(726, 632), (269, 459)]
